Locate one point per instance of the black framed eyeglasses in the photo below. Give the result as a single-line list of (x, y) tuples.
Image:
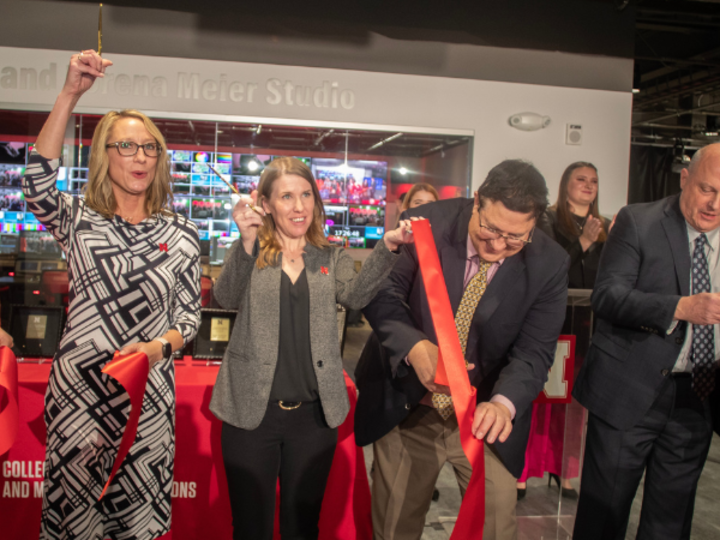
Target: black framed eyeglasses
[(129, 148), (510, 241)]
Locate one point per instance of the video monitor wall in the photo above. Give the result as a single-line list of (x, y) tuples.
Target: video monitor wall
[(14, 216), (353, 192)]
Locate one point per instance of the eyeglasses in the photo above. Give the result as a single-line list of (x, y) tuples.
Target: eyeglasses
[(510, 241), (129, 148)]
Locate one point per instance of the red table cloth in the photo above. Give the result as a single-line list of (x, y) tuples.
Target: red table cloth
[(201, 508)]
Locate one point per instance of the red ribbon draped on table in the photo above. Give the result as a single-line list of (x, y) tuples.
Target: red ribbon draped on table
[(9, 417), (451, 371), (131, 371)]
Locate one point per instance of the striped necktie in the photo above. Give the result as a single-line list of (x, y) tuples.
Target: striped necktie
[(463, 319)]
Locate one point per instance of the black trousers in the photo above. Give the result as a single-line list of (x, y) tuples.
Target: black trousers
[(670, 445), (298, 447)]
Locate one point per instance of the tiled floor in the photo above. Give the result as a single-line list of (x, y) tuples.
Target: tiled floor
[(543, 515)]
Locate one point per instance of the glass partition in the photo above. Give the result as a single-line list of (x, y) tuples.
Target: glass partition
[(361, 173)]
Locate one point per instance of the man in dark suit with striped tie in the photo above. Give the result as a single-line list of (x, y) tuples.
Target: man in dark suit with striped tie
[(650, 371), (507, 283)]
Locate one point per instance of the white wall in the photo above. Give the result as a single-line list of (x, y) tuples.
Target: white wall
[(388, 101)]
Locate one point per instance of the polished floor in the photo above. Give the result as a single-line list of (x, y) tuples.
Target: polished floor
[(543, 514)]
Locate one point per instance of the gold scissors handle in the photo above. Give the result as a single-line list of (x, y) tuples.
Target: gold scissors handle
[(100, 32)]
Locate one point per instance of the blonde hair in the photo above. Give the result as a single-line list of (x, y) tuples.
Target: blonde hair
[(99, 193), (413, 190), (269, 244)]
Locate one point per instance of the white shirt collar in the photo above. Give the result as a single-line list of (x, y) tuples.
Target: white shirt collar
[(713, 237)]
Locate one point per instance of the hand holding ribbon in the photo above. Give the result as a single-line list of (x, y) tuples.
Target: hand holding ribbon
[(9, 417), (131, 371), (451, 371)]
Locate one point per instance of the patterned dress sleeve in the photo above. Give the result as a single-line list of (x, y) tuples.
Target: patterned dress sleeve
[(51, 208), (186, 311)]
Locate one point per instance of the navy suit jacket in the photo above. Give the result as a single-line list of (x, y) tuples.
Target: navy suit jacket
[(512, 339), (644, 270)]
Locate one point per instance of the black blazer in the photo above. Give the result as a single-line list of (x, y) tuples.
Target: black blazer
[(644, 270), (583, 264), (512, 340)]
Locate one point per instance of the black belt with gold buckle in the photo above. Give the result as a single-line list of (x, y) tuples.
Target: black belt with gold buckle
[(289, 405)]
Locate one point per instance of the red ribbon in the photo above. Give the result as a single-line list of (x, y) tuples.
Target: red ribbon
[(451, 371), (131, 371), (10, 416)]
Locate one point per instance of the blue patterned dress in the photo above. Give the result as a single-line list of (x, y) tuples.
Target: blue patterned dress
[(128, 283)]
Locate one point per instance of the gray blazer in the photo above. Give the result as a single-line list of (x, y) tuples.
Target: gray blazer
[(243, 385)]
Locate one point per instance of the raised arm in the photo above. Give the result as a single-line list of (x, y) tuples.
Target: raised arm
[(354, 290), (51, 208), (84, 68)]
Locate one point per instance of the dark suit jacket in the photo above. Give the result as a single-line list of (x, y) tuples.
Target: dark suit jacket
[(644, 269), (512, 340)]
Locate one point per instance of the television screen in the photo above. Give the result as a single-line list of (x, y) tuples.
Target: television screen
[(202, 157), (38, 245), (182, 155), (221, 190), (210, 209), (12, 153), (9, 244), (181, 167), (335, 215), (181, 207), (367, 216), (220, 225), (11, 175), (219, 247), (12, 201), (248, 164), (246, 184)]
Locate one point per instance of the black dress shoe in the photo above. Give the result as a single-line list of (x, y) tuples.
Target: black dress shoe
[(436, 494), (521, 493), (566, 493)]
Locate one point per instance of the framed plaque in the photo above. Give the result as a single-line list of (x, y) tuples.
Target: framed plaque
[(214, 334), (36, 330)]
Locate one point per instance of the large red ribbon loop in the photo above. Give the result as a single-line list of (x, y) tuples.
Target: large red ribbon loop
[(451, 371), (10, 416), (131, 371)]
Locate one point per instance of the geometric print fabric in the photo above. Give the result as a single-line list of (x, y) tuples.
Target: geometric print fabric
[(128, 283), (463, 320), (703, 338)]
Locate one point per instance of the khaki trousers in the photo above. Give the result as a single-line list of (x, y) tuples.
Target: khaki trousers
[(407, 464)]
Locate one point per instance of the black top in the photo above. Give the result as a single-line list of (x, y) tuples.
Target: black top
[(583, 264), (294, 375)]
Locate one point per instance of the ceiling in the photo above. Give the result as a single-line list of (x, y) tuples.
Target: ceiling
[(677, 72), (675, 45)]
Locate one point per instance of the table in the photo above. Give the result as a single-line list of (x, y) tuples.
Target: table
[(201, 508)]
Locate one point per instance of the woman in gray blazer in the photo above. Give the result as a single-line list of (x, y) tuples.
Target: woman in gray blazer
[(280, 392)]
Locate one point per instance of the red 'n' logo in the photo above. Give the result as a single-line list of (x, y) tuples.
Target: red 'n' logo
[(324, 270), (163, 247)]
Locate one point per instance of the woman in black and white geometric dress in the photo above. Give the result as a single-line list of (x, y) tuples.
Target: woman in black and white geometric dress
[(134, 275)]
